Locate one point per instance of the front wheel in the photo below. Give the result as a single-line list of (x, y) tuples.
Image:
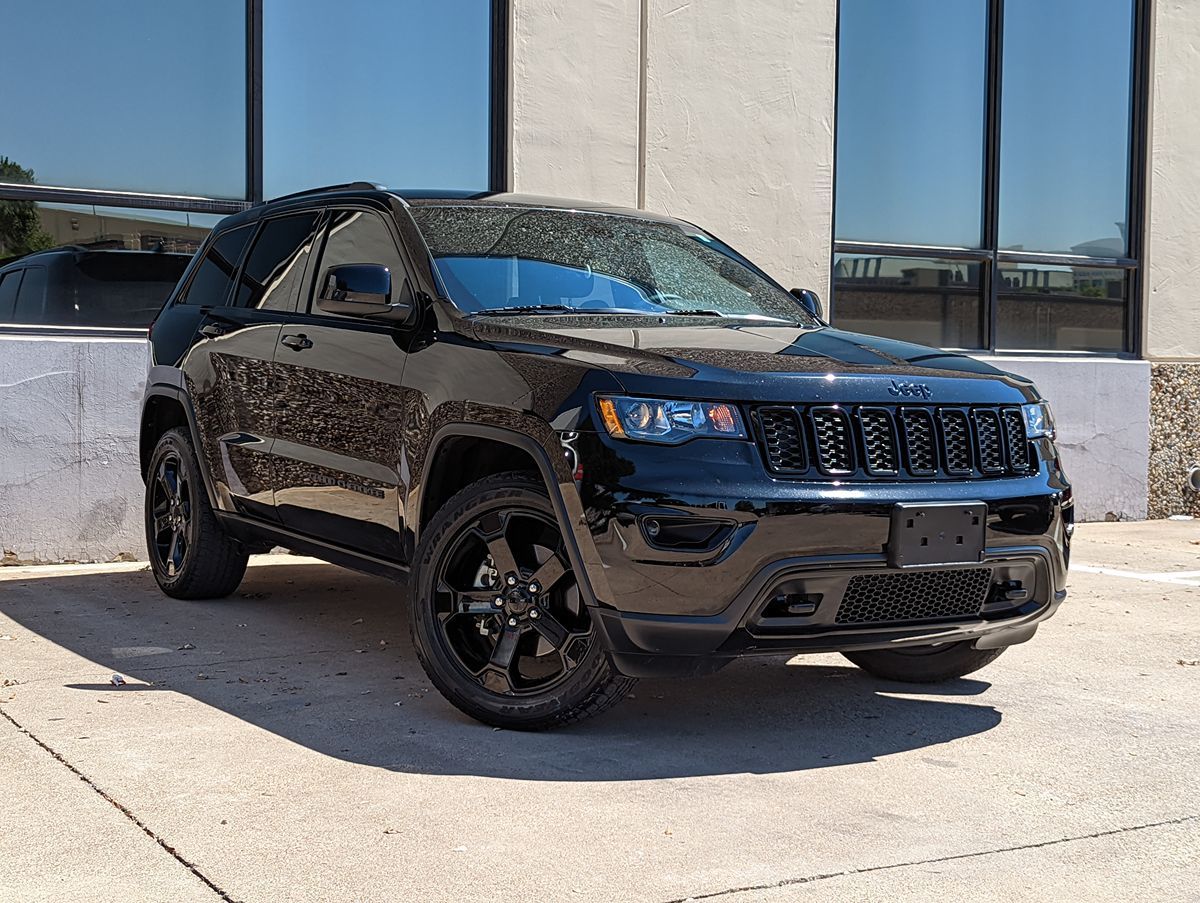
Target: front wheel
[(497, 616), (190, 555), (924, 664)]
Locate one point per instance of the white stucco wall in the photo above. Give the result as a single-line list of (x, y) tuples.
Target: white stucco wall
[(69, 484), (1102, 411), (1172, 260), (574, 95), (738, 130)]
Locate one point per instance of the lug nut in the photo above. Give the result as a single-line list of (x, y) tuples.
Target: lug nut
[(498, 602), (512, 581), (512, 622), (534, 588), (533, 613)]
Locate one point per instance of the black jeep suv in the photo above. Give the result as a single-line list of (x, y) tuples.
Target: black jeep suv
[(600, 444)]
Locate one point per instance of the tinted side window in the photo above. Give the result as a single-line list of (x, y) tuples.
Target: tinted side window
[(31, 297), (210, 285), (275, 268), (357, 236), (8, 294)]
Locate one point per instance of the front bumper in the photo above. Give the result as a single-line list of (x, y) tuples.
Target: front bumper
[(692, 602)]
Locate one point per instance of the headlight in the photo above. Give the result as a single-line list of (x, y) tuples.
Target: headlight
[(670, 422), (1039, 421)]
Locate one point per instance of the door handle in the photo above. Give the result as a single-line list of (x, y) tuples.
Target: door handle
[(296, 342), (212, 330)]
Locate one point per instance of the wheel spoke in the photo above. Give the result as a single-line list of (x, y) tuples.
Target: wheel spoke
[(506, 649), (469, 602), (175, 552), (169, 480), (549, 573), (550, 628), (162, 524), (502, 554)]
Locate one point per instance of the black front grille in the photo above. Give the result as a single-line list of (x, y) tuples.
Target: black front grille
[(901, 442), (900, 598)]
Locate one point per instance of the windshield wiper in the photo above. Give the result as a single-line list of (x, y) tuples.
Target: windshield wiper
[(523, 309), (563, 308), (706, 312)]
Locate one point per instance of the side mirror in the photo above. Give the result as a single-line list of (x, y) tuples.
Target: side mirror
[(810, 301), (363, 290)]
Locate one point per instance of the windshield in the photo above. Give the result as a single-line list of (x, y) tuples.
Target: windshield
[(496, 260)]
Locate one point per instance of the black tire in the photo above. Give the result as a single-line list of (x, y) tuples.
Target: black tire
[(924, 664), (481, 657), (190, 555)]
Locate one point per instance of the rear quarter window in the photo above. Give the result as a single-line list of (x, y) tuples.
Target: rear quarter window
[(214, 277)]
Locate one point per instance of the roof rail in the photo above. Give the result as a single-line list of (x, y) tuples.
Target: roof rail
[(345, 186)]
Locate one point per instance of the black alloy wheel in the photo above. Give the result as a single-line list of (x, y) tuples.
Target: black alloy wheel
[(171, 508), (190, 555), (508, 605), (499, 620)]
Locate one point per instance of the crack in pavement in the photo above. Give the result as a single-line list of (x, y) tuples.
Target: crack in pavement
[(120, 808), (811, 879)]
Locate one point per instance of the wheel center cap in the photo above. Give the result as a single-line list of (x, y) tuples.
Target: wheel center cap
[(517, 601)]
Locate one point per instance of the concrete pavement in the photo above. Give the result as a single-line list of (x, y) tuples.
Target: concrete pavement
[(285, 745)]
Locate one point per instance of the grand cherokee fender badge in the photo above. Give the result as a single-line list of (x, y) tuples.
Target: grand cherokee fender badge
[(909, 390)]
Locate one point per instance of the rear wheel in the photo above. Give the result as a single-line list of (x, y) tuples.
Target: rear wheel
[(924, 664), (498, 619), (190, 555)]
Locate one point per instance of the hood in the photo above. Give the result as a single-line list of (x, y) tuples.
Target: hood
[(756, 362)]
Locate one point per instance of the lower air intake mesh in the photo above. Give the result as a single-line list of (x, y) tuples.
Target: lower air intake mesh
[(914, 596)]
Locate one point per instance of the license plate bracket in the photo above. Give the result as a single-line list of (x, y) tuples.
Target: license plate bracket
[(936, 533)]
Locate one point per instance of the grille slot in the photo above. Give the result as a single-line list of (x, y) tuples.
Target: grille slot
[(783, 440), (956, 441), (835, 445), (879, 440), (919, 442), (988, 441), (1018, 445), (914, 596)]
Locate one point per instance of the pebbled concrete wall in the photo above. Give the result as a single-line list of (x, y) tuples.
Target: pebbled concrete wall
[(1102, 411), (69, 483)]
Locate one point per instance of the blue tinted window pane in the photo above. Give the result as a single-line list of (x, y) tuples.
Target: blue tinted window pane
[(910, 123), (138, 96), (391, 92), (1064, 128)]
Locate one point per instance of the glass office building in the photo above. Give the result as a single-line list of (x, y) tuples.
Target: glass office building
[(140, 125), (1012, 179)]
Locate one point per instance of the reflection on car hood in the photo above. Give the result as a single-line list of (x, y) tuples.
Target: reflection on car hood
[(764, 360)]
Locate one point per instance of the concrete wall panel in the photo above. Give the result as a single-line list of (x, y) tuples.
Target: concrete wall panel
[(1102, 410), (69, 483)]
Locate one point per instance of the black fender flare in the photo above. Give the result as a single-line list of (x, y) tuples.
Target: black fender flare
[(587, 567), (178, 395)]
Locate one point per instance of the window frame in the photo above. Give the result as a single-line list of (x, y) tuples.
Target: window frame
[(306, 305), (989, 255)]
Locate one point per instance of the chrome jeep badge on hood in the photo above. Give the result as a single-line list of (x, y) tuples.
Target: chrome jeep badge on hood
[(909, 390)]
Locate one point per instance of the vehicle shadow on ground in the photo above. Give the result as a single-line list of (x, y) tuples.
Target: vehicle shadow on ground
[(322, 657)]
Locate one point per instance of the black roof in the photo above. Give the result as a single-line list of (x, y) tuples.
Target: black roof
[(419, 197)]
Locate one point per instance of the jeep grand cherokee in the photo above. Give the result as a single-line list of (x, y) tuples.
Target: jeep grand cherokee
[(595, 443)]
